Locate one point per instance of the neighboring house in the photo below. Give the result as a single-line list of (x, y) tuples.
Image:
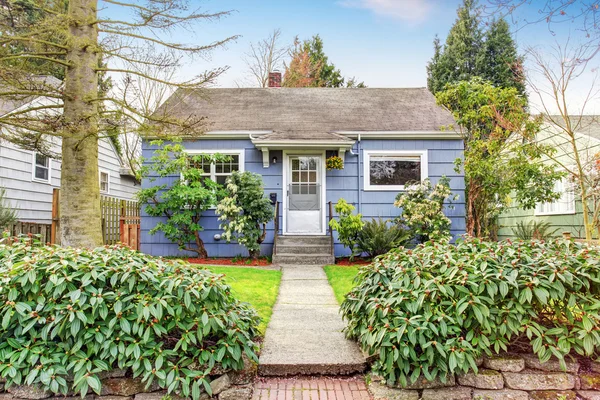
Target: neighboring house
[(565, 214), (29, 178), (386, 137)]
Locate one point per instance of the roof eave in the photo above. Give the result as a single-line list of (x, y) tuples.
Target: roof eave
[(400, 134)]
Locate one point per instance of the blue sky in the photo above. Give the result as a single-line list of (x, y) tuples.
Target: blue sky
[(385, 43), (383, 46)]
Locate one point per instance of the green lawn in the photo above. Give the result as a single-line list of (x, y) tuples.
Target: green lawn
[(259, 287), (341, 279)]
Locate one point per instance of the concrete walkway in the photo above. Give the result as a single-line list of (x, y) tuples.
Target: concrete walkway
[(304, 336)]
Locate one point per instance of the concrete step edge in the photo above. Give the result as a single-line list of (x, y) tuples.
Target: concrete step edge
[(304, 255), (311, 369)]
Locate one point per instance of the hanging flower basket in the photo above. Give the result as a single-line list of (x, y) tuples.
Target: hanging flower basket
[(334, 162)]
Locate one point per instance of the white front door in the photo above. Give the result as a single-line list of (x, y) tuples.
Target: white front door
[(304, 194)]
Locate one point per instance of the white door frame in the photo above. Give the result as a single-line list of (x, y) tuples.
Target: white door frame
[(286, 169)]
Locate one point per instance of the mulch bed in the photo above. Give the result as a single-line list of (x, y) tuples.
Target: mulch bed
[(230, 261), (355, 261)]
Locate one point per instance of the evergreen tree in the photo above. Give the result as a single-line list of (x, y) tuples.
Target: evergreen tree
[(472, 52), (498, 60), (457, 60), (434, 70)]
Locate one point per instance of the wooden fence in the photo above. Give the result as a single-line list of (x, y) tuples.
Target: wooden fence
[(25, 228), (120, 222)]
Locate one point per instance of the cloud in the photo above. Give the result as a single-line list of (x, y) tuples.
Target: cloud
[(413, 11)]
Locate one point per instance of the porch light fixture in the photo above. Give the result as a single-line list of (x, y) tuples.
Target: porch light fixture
[(274, 160)]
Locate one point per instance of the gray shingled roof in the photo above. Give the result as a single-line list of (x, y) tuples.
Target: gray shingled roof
[(11, 103), (585, 124), (310, 113)]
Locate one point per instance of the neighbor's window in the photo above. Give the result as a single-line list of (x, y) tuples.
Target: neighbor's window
[(41, 167), (104, 182), (220, 170), (394, 169), (564, 205)]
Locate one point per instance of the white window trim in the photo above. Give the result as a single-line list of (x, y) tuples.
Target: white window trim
[(33, 165), (573, 211), (225, 152), (107, 172), (367, 161)]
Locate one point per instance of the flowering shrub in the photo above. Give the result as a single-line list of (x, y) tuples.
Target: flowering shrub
[(423, 209), (434, 310), (75, 313), (334, 162), (245, 210)]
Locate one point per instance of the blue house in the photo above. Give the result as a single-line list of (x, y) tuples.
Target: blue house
[(386, 137)]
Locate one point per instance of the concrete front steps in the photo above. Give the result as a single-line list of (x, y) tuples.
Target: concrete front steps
[(305, 250)]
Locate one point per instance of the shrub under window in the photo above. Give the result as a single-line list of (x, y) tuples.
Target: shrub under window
[(434, 310), (74, 313)]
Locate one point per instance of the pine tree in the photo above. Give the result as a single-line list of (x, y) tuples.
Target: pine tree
[(86, 41), (457, 61), (434, 70), (498, 60), (471, 52)]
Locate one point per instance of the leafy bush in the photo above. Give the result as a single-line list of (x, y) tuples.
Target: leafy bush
[(184, 200), (67, 312), (348, 226), (7, 214), (378, 237), (434, 310), (245, 210), (534, 230), (423, 209)]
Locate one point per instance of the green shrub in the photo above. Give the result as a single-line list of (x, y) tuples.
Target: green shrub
[(74, 313), (348, 225), (8, 215), (534, 230), (378, 237), (434, 310), (181, 202)]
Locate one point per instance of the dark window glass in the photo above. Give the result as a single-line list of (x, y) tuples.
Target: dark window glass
[(41, 167), (394, 170)]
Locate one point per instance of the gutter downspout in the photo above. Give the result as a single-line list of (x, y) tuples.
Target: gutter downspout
[(358, 172)]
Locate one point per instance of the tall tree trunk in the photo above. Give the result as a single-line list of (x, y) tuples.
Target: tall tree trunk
[(80, 216)]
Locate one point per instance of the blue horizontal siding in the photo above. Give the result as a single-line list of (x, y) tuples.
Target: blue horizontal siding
[(347, 183)]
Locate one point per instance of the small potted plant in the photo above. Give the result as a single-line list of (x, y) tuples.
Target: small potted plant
[(334, 162)]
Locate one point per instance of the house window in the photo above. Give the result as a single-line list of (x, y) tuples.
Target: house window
[(41, 168), (104, 182), (220, 170), (564, 205), (392, 170)]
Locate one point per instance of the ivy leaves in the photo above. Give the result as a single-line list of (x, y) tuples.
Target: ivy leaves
[(67, 315), (435, 310)]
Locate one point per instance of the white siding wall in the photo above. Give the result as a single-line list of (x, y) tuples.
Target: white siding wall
[(33, 200)]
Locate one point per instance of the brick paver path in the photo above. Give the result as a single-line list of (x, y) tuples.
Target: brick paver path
[(311, 388)]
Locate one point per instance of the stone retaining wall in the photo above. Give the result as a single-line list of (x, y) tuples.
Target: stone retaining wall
[(118, 385), (506, 377)]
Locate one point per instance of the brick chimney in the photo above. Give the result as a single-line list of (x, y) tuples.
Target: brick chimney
[(275, 79)]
